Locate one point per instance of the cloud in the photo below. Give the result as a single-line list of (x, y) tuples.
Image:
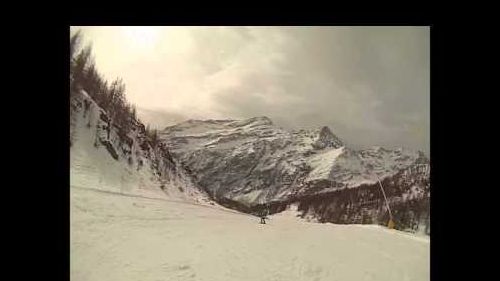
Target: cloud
[(371, 85)]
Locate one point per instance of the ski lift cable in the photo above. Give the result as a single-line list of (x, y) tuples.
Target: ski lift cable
[(385, 197), (383, 193)]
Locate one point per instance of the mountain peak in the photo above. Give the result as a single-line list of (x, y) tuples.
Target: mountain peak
[(326, 138)]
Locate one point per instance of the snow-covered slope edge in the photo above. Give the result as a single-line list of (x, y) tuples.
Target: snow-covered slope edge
[(104, 158)]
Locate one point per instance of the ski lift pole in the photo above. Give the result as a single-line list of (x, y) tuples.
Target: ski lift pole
[(267, 203), (391, 221)]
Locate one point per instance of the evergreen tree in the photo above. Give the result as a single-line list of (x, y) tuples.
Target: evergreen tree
[(78, 68), (154, 137), (74, 44), (133, 113)]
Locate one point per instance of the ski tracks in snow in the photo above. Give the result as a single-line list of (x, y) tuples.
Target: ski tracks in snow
[(116, 237)]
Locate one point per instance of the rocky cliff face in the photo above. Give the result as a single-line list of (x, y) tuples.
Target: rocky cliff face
[(106, 157), (253, 164)]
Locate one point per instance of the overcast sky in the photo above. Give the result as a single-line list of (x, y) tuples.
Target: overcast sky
[(370, 85)]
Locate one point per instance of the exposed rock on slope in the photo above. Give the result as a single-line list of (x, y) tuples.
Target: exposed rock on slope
[(106, 157)]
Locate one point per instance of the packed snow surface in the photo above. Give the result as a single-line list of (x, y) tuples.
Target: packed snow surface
[(134, 237)]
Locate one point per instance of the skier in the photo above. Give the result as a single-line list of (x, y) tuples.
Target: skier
[(262, 219), (263, 216)]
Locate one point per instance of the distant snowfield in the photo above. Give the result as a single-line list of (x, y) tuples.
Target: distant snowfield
[(117, 237)]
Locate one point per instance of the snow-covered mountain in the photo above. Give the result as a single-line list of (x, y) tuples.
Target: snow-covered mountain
[(252, 164), (104, 158)]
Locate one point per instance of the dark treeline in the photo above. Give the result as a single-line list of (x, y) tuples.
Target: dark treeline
[(110, 96)]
